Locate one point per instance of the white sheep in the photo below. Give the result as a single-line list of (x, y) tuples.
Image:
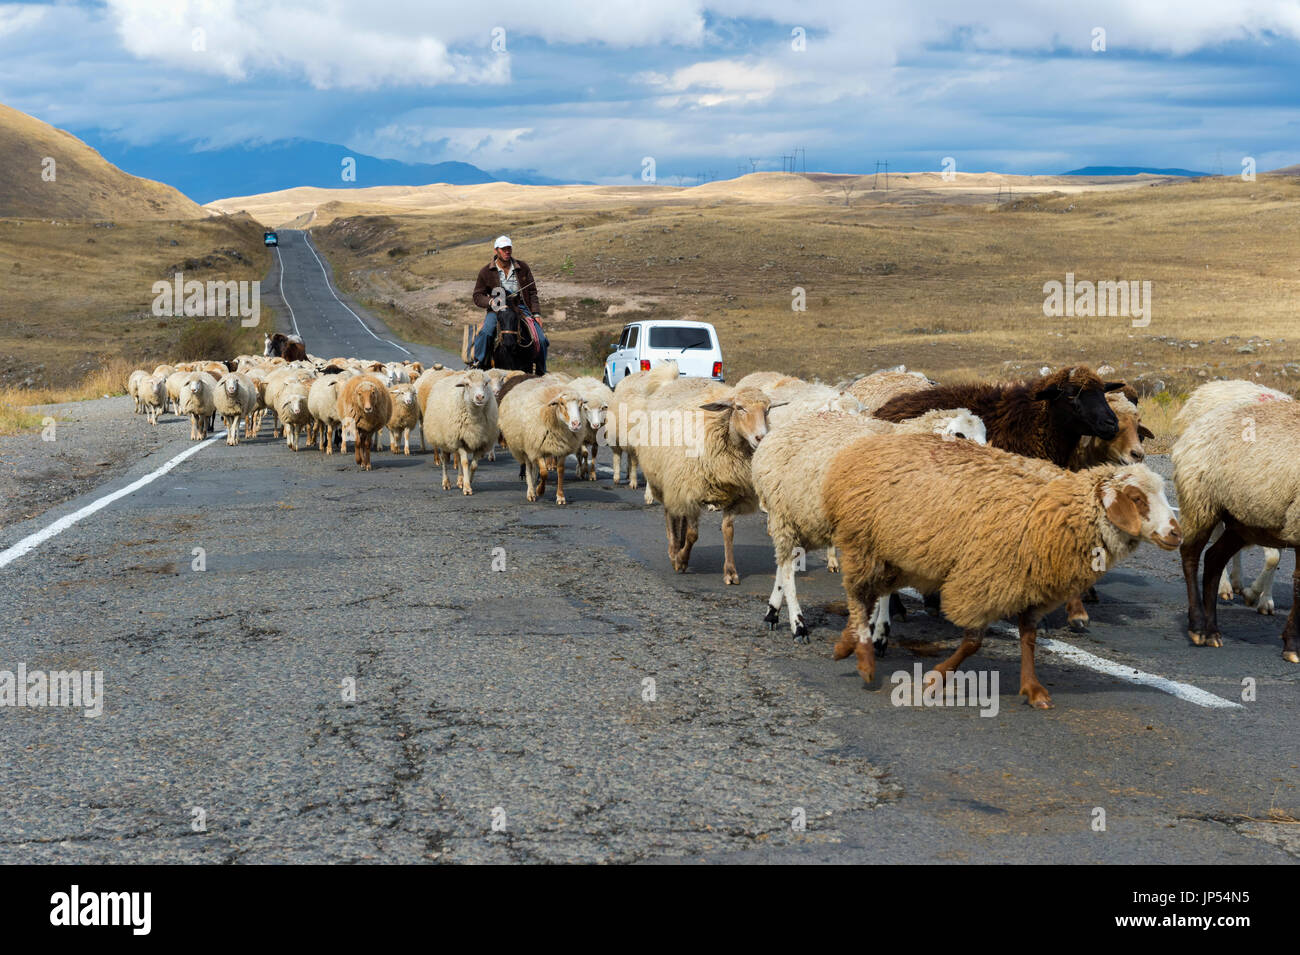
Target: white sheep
[(153, 396), (1239, 465), (322, 402), (293, 411), (195, 398), (461, 422), (624, 425), (404, 418), (133, 387), (235, 397), (789, 469), (540, 420), (596, 400), (1218, 394), (696, 453)]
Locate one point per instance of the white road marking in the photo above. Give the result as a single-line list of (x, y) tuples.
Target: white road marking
[(32, 541), (1184, 691), (328, 285), (284, 298)]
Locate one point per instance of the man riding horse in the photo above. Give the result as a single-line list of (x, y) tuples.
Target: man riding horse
[(507, 291)]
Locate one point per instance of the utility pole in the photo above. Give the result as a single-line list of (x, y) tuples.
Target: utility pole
[(753, 164)]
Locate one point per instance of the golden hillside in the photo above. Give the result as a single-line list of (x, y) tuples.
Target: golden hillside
[(84, 185)]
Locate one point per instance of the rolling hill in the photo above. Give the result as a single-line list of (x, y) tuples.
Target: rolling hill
[(54, 175)]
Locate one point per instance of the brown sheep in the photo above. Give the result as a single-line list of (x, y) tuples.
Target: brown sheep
[(997, 535), (364, 401)]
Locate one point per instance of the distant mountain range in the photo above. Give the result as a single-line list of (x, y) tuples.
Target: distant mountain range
[(1124, 171), (252, 169)]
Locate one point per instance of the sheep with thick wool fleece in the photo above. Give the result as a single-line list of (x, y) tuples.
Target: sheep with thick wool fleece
[(627, 409), (323, 403), (697, 454), (153, 397), (793, 399), (364, 402), (541, 420), (293, 411), (405, 417), (879, 387), (195, 398), (1217, 394), (994, 537), (596, 400), (1238, 464), (133, 387), (460, 422), (790, 467), (235, 398)]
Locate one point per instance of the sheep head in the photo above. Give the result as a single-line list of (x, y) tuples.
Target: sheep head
[(476, 388), (962, 424), (745, 413), (1077, 397), (566, 406), (1135, 502)]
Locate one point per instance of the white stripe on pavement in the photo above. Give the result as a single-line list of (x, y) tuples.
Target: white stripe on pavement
[(32, 541), (1183, 691), (307, 238), (284, 298)]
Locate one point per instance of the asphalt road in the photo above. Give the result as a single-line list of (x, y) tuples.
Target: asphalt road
[(501, 654)]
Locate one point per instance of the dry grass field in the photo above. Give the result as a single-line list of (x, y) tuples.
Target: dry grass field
[(949, 282)]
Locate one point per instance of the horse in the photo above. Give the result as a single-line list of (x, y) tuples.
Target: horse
[(515, 348), (288, 347)]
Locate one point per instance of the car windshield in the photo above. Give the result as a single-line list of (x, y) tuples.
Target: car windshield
[(672, 336)]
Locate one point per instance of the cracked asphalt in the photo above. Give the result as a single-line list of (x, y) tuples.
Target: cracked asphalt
[(507, 715)]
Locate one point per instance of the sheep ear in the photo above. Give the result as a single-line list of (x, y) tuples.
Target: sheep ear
[(1114, 385), (717, 406), (779, 404), (1050, 393), (462, 384), (1144, 432), (1121, 511)]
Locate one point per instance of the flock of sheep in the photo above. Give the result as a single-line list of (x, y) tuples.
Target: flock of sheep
[(995, 500)]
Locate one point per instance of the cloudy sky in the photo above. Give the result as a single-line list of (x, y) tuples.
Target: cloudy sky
[(586, 90)]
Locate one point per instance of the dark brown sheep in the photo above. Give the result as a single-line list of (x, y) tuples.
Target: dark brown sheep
[(1040, 418)]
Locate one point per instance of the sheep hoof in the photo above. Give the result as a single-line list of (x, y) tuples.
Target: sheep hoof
[(801, 633), (467, 490), (730, 577), (847, 643), (1291, 656), (1091, 596), (881, 645), (1079, 624), (1036, 696), (446, 484), (1226, 595), (1213, 640), (1197, 638), (1265, 607), (772, 617), (560, 499)]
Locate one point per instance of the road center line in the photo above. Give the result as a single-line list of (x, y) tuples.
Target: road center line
[(328, 285), (284, 298), (1183, 691), (32, 541)]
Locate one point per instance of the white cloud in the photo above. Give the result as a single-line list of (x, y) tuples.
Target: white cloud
[(17, 17)]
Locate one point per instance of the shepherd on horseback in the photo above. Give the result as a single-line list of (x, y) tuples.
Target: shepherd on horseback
[(512, 323)]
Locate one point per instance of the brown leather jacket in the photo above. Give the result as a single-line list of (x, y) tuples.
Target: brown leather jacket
[(489, 280)]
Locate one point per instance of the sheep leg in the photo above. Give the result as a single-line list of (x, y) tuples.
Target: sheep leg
[(691, 535), (559, 482), (1216, 558), (880, 625), (798, 628), (932, 604), (631, 469), (971, 641), (674, 530), (773, 615), (832, 561), (406, 441), (862, 589), (446, 481), (530, 469), (1260, 594), (1190, 553), (1029, 686), (618, 465), (1078, 616), (729, 573), (591, 462), (543, 470), (466, 470), (1290, 643)]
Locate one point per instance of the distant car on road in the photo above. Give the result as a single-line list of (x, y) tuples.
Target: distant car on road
[(270, 238), (643, 345)]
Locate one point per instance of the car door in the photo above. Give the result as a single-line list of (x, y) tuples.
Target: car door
[(630, 362), (617, 360)]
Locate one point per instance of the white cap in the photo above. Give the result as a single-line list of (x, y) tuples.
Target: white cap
[(502, 240)]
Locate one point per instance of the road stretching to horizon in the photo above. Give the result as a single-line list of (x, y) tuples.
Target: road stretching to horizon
[(368, 668)]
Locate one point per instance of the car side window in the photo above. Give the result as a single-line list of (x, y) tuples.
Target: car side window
[(632, 335), (622, 341)]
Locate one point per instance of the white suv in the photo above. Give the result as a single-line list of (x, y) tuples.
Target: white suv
[(643, 345)]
